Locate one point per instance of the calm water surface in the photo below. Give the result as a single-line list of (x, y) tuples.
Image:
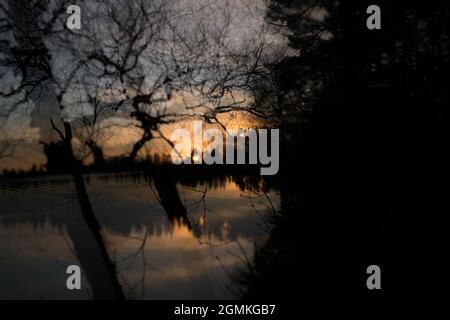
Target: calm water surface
[(158, 256)]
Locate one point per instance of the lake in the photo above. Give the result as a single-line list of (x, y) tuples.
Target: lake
[(163, 240)]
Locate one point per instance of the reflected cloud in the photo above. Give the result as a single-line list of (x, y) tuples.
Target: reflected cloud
[(194, 257)]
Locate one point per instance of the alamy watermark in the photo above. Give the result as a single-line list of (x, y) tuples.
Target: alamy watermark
[(227, 147), (74, 279), (373, 22)]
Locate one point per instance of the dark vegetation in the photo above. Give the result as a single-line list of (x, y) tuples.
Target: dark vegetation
[(367, 182)]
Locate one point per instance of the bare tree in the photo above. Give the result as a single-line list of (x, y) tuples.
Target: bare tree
[(25, 52), (132, 60), (153, 54)]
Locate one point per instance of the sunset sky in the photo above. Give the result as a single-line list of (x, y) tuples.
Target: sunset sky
[(241, 25)]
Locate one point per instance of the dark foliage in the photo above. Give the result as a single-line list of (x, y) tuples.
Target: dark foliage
[(367, 183)]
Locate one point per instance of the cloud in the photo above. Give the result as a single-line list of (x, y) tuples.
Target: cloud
[(15, 123)]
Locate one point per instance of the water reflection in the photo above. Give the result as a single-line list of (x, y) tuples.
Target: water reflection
[(164, 238)]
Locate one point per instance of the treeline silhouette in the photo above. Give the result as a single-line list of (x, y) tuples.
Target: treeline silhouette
[(13, 173)]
